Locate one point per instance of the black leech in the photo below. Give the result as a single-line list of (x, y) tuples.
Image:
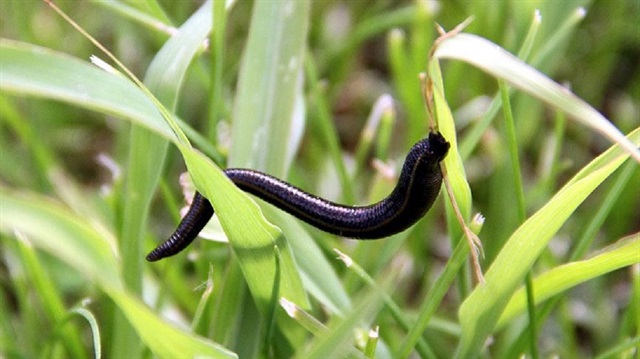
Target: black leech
[(417, 189)]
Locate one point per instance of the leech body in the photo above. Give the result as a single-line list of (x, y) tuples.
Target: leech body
[(417, 189)]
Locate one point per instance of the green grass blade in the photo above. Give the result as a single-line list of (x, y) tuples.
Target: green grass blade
[(168, 68), (305, 319), (205, 298), (162, 338), (339, 339), (268, 118), (27, 69), (478, 129), (453, 162), (494, 60), (250, 235), (51, 227), (50, 297), (516, 178), (30, 70), (456, 174), (151, 22), (229, 298), (583, 243), (327, 131), (55, 229), (624, 253), (147, 152), (93, 324), (407, 85), (217, 108), (269, 88), (318, 276), (480, 311)]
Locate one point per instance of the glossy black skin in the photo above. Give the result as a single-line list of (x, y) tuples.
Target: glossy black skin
[(417, 189)]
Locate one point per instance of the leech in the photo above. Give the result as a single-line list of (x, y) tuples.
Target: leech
[(417, 189)]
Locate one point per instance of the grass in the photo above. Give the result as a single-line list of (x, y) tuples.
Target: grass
[(90, 164)]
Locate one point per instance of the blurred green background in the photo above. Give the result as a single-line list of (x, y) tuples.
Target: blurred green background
[(359, 50)]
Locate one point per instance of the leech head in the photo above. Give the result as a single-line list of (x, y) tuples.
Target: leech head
[(438, 145), (431, 150)]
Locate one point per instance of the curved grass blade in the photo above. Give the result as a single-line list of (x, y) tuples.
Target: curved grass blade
[(481, 310), (147, 153), (52, 227), (31, 70), (494, 60), (26, 69), (250, 235), (55, 229), (252, 239), (624, 253), (163, 338), (35, 274), (93, 325)]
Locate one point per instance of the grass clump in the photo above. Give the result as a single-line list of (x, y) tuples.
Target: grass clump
[(90, 164)]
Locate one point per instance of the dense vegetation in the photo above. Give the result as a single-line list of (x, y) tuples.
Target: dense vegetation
[(90, 165)]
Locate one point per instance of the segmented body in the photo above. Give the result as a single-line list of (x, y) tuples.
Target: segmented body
[(418, 186)]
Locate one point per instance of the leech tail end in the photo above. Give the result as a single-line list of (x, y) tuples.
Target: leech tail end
[(196, 218)]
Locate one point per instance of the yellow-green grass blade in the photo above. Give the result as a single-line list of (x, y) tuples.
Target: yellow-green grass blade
[(453, 162), (164, 339), (252, 239), (30, 70), (481, 310), (621, 254), (90, 318), (250, 235)]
